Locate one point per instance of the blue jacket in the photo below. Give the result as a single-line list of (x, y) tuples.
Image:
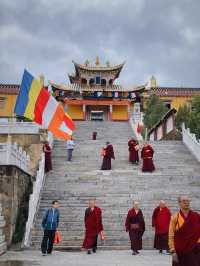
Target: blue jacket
[(50, 220)]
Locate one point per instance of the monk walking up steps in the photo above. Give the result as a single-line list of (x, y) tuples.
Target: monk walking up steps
[(133, 151), (93, 227)]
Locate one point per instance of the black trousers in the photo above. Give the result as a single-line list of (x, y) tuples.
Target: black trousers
[(47, 241), (95, 243)]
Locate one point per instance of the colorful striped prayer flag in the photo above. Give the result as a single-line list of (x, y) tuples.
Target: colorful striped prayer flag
[(36, 103)]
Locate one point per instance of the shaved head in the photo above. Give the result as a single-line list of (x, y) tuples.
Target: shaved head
[(136, 204), (162, 204), (92, 203), (184, 202)]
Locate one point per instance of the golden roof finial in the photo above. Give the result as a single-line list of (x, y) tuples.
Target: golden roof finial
[(87, 62), (108, 63), (97, 63)]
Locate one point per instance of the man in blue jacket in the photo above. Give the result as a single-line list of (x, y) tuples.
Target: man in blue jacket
[(50, 223)]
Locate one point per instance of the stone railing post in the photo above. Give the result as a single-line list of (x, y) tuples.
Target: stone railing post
[(3, 246), (191, 142)]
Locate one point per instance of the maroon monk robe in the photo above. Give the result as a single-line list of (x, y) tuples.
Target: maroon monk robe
[(161, 220), (47, 152), (93, 226), (133, 152), (135, 225), (147, 156), (186, 238), (109, 154)]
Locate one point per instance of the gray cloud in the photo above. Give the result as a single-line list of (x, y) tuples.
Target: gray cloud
[(154, 37)]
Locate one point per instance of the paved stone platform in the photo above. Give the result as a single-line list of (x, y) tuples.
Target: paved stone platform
[(102, 258)]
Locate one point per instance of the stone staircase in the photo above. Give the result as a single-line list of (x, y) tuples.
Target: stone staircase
[(74, 183)]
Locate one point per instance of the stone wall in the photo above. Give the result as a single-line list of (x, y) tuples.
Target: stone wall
[(3, 246), (15, 188), (31, 143)]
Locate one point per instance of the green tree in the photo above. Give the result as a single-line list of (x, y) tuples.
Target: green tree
[(154, 111), (183, 116), (194, 121)]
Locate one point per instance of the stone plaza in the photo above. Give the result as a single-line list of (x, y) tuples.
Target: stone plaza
[(102, 258)]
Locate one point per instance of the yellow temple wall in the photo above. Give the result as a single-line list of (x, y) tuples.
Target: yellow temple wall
[(75, 112), (120, 112), (7, 108), (176, 102)]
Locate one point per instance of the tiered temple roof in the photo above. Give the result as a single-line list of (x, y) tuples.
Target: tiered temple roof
[(87, 68), (78, 87)]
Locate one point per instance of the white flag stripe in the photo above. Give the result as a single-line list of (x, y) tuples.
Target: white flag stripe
[(49, 111), (64, 128)]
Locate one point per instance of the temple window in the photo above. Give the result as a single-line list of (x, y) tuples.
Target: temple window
[(167, 104), (2, 102), (98, 79), (91, 82), (111, 82), (84, 81), (103, 82)]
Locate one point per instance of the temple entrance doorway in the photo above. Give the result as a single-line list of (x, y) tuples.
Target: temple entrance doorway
[(97, 113)]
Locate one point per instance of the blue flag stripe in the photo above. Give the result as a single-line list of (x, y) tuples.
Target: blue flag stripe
[(23, 97)]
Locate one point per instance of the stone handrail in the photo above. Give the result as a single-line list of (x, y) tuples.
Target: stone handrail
[(14, 127), (190, 140), (34, 199), (12, 154), (35, 196), (163, 127), (3, 246)]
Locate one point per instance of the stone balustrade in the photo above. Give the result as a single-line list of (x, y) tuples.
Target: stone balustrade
[(12, 154), (3, 246), (190, 140), (34, 199), (14, 127), (35, 196), (165, 126)]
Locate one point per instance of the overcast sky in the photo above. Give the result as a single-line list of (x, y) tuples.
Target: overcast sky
[(154, 37)]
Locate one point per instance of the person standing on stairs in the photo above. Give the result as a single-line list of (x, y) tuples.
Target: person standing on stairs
[(133, 151), (135, 225), (70, 148), (47, 153), (160, 221), (184, 235), (108, 155), (50, 224), (93, 227), (147, 156)]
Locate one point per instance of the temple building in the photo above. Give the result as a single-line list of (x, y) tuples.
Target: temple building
[(8, 96), (93, 95), (172, 97)]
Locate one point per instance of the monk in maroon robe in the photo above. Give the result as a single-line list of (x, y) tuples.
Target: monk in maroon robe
[(108, 155), (160, 221), (93, 227), (135, 225), (47, 152), (147, 156), (133, 151), (184, 235)]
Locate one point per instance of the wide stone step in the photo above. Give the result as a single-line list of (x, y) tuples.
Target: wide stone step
[(73, 184)]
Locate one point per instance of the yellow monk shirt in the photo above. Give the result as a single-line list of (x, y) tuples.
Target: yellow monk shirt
[(176, 223)]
